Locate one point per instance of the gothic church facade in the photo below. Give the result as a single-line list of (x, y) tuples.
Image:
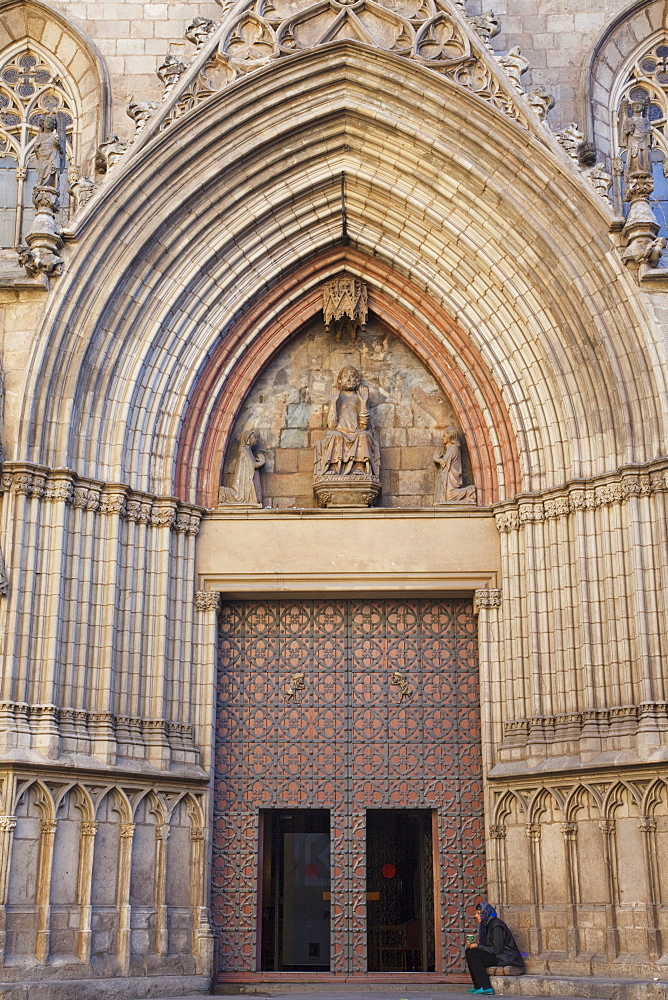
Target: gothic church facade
[(334, 481)]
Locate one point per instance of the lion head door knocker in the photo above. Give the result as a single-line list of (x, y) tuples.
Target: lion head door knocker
[(295, 687), (400, 681)]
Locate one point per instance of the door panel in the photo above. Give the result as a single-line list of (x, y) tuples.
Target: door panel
[(346, 705)]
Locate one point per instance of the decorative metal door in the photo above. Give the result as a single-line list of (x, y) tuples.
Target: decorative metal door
[(346, 705)]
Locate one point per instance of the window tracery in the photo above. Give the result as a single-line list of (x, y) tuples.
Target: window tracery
[(646, 81), (30, 88)]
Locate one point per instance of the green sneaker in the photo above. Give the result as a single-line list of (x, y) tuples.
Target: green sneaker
[(487, 992)]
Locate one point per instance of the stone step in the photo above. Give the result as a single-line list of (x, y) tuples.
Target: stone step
[(589, 987)]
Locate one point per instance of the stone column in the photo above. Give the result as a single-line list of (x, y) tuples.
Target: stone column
[(607, 828), (498, 864), (648, 826), (126, 835), (162, 832), (205, 639), (84, 886), (570, 832), (43, 891), (532, 831), (203, 940), (7, 827)]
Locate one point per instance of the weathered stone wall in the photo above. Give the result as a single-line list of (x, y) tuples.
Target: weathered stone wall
[(288, 408), (576, 867), (91, 884)]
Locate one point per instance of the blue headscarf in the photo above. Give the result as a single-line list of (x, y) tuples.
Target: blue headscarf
[(487, 913)]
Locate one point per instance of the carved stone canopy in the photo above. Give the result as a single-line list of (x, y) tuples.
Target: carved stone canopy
[(344, 305)]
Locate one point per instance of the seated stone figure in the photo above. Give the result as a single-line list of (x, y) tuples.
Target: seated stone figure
[(349, 446)]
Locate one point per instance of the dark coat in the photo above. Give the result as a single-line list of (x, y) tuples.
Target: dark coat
[(499, 940)]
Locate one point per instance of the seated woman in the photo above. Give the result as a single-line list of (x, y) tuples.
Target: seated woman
[(495, 947)]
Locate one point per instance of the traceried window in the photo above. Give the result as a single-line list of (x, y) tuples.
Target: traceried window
[(647, 81), (29, 89)]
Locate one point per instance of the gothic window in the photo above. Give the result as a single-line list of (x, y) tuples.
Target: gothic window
[(30, 88), (647, 80)]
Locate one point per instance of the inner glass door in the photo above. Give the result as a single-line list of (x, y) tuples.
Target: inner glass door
[(400, 890), (296, 890)]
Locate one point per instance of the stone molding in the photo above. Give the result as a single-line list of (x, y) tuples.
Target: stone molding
[(623, 720), (580, 494), (64, 486), (80, 728)]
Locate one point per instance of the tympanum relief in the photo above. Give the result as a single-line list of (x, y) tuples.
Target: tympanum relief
[(346, 422), (449, 478), (347, 458), (246, 490)]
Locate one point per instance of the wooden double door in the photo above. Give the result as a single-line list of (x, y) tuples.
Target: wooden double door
[(343, 709)]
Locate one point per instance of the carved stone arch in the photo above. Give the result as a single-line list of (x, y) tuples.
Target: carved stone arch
[(621, 40), (652, 796), (83, 799), (504, 807), (155, 805), (194, 808), (121, 803), (576, 798), (24, 22), (545, 353), (540, 803), (44, 800), (615, 795)]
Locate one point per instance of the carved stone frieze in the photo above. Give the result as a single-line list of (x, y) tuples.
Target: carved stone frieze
[(622, 720), (66, 487), (578, 496)]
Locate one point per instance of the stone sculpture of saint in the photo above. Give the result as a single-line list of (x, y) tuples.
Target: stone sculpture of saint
[(349, 446), (635, 132), (246, 489), (47, 151), (448, 460)]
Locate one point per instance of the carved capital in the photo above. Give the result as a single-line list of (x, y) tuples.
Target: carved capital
[(532, 830), (126, 831), (48, 827), (162, 831), (490, 598), (7, 824), (207, 600), (196, 833), (606, 826), (569, 830), (89, 829), (497, 832), (507, 520), (647, 824)]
